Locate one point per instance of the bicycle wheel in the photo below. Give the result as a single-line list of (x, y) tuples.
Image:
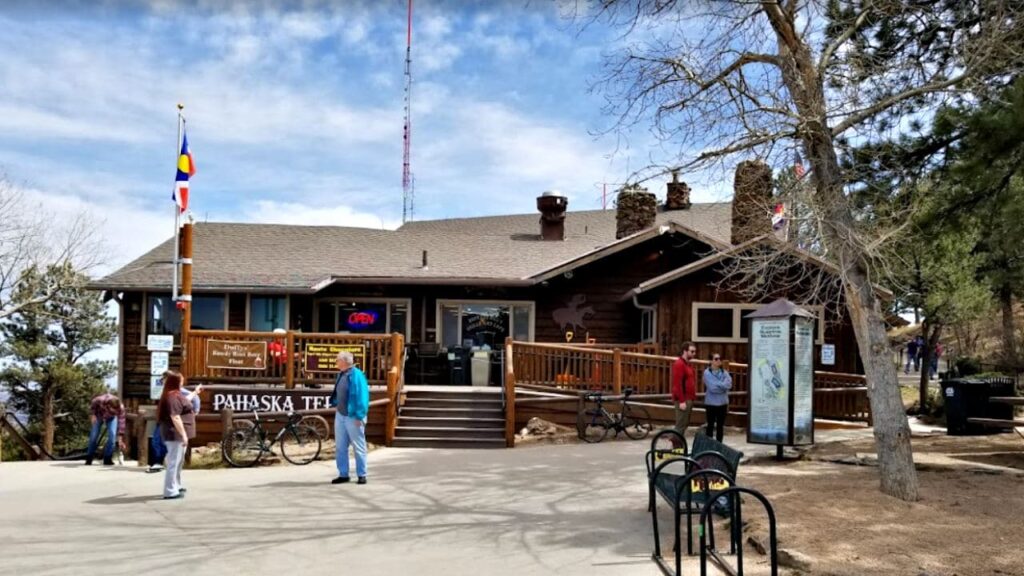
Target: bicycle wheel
[(300, 445), (636, 422), (242, 447), (318, 423), (591, 426)]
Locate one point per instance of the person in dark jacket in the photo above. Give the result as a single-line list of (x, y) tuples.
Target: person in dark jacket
[(717, 383), (684, 387)]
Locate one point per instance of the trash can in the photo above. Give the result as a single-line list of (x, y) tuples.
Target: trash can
[(457, 361), (480, 367), (969, 398)]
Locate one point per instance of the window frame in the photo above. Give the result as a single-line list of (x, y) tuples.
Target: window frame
[(438, 321), (360, 300), (248, 308), (740, 309), (652, 313), (147, 294)]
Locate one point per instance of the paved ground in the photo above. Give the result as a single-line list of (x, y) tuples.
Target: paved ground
[(574, 509)]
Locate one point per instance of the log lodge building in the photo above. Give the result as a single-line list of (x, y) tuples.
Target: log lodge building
[(455, 289)]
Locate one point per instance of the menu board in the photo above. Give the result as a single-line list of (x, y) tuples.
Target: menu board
[(324, 357), (803, 381), (769, 381)]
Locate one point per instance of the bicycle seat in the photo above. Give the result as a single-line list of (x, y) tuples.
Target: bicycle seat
[(595, 396), (627, 392)]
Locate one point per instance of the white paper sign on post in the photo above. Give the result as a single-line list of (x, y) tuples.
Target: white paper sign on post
[(160, 342), (156, 387), (828, 354), (159, 362)]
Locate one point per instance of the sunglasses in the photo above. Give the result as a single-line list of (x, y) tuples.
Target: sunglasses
[(717, 359)]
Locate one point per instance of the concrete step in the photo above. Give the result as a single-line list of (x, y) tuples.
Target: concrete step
[(443, 422), (449, 433), (487, 403), (434, 442), (455, 395), (417, 411)]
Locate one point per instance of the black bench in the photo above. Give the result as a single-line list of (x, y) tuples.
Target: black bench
[(689, 483)]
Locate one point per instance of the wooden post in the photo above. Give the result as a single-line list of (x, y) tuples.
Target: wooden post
[(289, 373), (227, 422), (186, 293), (391, 408), (510, 397), (3, 418), (617, 367), (141, 440), (396, 351)]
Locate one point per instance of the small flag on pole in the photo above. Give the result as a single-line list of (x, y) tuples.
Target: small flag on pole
[(798, 166), (186, 169), (778, 216)]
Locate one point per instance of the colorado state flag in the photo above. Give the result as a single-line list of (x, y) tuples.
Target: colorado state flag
[(186, 169)]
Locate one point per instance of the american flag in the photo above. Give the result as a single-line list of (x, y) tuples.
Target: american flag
[(798, 166)]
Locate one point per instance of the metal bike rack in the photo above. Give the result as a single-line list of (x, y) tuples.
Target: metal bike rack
[(737, 519), (683, 490)]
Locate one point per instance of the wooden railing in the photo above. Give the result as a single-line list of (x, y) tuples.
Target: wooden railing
[(574, 368), (382, 352)]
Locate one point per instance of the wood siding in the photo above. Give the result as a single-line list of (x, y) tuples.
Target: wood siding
[(675, 323)]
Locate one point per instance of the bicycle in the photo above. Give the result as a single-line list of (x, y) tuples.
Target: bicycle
[(246, 443), (593, 425)]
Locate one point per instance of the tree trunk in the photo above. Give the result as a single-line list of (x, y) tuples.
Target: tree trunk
[(806, 87), (892, 432), (1009, 330), (48, 424), (931, 334)]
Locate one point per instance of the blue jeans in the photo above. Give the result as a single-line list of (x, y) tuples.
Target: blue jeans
[(157, 447), (94, 437), (347, 431)]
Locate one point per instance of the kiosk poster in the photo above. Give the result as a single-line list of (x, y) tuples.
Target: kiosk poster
[(803, 381), (324, 357), (235, 355), (769, 381)]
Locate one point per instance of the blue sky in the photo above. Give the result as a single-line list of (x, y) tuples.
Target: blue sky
[(295, 111)]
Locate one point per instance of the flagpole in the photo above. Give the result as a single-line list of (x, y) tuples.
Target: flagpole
[(177, 210)]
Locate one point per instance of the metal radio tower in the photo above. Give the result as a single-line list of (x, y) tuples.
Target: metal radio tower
[(408, 189)]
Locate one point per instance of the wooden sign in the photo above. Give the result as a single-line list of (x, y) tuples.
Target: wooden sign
[(324, 357), (235, 355), (242, 400)]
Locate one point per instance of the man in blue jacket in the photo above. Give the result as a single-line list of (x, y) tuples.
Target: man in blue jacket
[(351, 400)]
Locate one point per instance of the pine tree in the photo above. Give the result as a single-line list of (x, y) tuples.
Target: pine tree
[(44, 350)]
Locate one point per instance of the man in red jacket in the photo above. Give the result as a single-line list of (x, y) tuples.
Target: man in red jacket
[(684, 386)]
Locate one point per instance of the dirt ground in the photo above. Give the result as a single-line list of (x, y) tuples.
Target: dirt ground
[(969, 520)]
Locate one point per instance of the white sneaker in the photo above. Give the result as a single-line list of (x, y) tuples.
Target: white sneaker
[(155, 468)]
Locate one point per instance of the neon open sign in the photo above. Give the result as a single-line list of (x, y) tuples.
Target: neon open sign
[(362, 319)]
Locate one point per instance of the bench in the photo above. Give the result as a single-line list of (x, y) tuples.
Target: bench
[(689, 483)]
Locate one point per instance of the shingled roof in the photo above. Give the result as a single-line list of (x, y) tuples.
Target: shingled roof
[(492, 250)]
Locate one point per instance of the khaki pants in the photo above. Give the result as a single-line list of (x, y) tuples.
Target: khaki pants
[(683, 417)]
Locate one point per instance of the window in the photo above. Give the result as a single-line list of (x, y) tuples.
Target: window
[(266, 313), (163, 316), (479, 323), (648, 325), (368, 316), (717, 322), (209, 312)]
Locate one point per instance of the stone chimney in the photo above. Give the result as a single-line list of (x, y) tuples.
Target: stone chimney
[(678, 196), (635, 210), (552, 206), (751, 201)]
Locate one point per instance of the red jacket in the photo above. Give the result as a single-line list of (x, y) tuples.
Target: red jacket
[(684, 381)]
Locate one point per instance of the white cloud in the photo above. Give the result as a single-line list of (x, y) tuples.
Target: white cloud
[(272, 212)]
